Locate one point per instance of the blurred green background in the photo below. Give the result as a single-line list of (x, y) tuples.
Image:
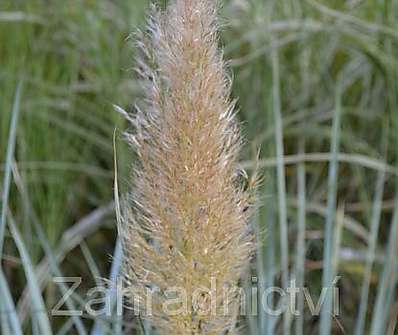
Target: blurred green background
[(317, 83)]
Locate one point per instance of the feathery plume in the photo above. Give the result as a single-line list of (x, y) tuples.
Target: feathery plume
[(187, 223)]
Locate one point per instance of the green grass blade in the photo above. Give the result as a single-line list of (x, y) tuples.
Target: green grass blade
[(38, 307), (281, 183), (116, 187), (261, 266), (381, 307), (118, 253), (113, 292), (391, 290), (271, 269), (99, 325), (57, 272), (66, 328), (6, 184), (374, 228), (327, 277), (117, 257), (9, 308), (10, 154), (301, 248), (35, 327), (92, 265), (47, 248), (5, 327), (270, 247), (251, 319), (4, 323), (337, 237)]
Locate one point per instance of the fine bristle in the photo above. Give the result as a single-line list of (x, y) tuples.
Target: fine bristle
[(187, 221)]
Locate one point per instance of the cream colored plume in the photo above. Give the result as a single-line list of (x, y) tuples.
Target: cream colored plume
[(187, 222)]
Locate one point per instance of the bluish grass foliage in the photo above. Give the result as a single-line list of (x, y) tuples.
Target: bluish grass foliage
[(317, 83)]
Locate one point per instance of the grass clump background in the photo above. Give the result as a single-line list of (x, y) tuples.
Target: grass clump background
[(317, 88)]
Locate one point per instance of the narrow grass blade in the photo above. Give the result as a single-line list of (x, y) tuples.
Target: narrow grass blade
[(374, 228), (112, 295), (391, 290), (46, 247), (381, 308), (281, 183), (269, 210), (117, 259), (71, 238), (20, 17), (327, 278), (320, 157), (35, 327), (261, 267), (343, 17), (116, 186), (269, 250), (271, 267), (95, 272), (301, 248), (338, 235), (5, 327), (10, 153), (66, 328), (116, 289), (251, 319), (6, 186), (118, 253), (9, 308), (38, 307)]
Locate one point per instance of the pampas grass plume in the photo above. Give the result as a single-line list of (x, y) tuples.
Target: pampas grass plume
[(186, 224)]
